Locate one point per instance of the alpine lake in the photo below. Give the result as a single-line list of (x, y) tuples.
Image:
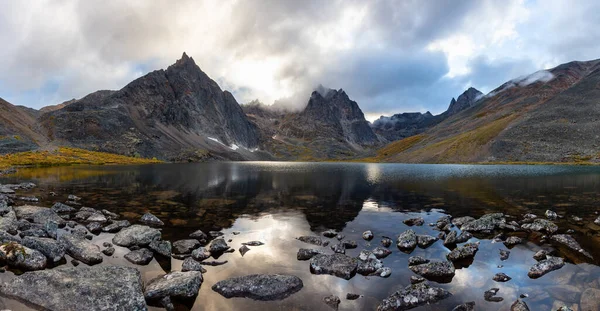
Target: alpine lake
[(277, 202)]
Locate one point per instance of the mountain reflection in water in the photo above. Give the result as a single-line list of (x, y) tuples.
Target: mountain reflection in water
[(277, 202)]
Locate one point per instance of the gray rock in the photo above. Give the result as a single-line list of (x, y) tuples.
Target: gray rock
[(407, 241), (416, 279), (417, 221), (462, 220), (73, 197), (551, 215), (519, 305), (51, 228), (151, 220), (315, 240), (545, 266), (501, 277), (467, 306), (244, 249), (136, 235), (330, 233), (512, 241), (444, 223), (190, 264), (81, 249), (22, 257), (351, 296), (490, 295), (7, 237), (53, 250), (386, 242), (35, 232), (339, 248), (381, 252), (201, 254), (38, 214), (337, 264), (571, 243), (369, 266), (417, 260), (185, 246), (102, 288), (61, 208), (332, 301), (174, 284), (463, 237), (109, 251), (94, 227), (540, 255), (413, 296), (116, 226), (486, 223), (542, 225), (253, 243), (425, 240), (97, 217), (590, 299), (383, 272), (504, 254), (307, 253), (367, 235), (464, 252), (110, 215), (142, 256), (451, 238), (434, 270), (9, 222), (218, 246), (199, 235), (263, 287)]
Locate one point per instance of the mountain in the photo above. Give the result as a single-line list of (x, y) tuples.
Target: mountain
[(548, 116), (408, 124), (174, 114), (19, 130)]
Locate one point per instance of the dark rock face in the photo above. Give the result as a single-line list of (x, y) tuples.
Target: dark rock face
[(337, 264), (259, 286), (413, 296), (174, 284), (87, 288), (157, 115), (142, 256), (545, 266), (81, 249), (404, 125), (136, 235), (466, 100)]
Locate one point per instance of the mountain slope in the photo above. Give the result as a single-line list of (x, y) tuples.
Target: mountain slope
[(522, 120), (18, 129), (173, 114)]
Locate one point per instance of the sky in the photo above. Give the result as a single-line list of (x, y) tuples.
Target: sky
[(390, 56)]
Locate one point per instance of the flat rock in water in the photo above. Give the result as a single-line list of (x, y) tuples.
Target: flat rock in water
[(332, 301), (307, 253), (407, 240), (53, 250), (485, 223), (466, 251), (590, 299), (136, 235), (185, 246), (162, 248), (190, 264), (61, 208), (544, 266), (218, 246), (541, 225), (417, 260), (413, 296), (504, 254), (425, 240), (368, 235), (434, 270), (501, 277), (198, 234), (81, 249), (315, 240), (103, 288), (253, 243), (339, 265), (571, 243), (174, 284), (467, 306), (244, 249), (201, 253), (116, 226), (417, 221), (152, 220), (381, 252), (263, 287), (142, 256), (22, 257)]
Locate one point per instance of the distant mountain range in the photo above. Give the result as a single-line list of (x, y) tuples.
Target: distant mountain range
[(180, 114)]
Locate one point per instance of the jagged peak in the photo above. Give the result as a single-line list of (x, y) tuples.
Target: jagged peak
[(185, 59)]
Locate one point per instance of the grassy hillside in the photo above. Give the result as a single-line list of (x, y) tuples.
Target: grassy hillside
[(67, 156)]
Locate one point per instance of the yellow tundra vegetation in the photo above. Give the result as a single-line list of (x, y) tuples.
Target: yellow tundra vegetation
[(395, 148), (68, 156)]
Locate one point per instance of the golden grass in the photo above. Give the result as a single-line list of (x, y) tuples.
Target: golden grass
[(68, 156), (394, 148)]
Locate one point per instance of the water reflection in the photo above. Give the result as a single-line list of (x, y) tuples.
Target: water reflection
[(276, 202)]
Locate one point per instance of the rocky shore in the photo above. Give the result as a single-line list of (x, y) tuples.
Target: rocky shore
[(35, 242)]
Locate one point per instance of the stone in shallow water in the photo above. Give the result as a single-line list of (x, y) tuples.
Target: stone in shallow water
[(369, 266), (198, 234), (381, 252), (53, 250), (263, 287), (417, 221), (462, 220), (407, 241), (162, 248), (315, 240), (544, 266), (441, 271), (541, 225), (339, 248), (109, 251), (367, 235), (141, 256), (519, 305), (332, 301), (136, 235), (201, 253), (413, 296), (504, 254), (101, 288), (244, 249), (81, 249), (330, 233), (307, 253), (337, 264), (185, 246), (351, 296), (94, 227), (218, 246), (116, 226), (253, 243), (417, 260), (386, 242), (540, 255), (61, 208), (189, 264), (22, 257), (501, 277), (467, 306), (151, 220), (174, 284), (490, 295), (451, 238), (512, 241), (571, 243), (464, 252), (485, 223), (424, 240)]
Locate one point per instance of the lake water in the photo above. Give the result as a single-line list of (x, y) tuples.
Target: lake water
[(275, 202)]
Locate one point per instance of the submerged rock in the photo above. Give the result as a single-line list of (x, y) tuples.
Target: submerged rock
[(434, 270), (386, 242), (162, 248), (186, 246), (467, 306), (136, 235), (81, 249), (116, 226), (151, 220), (22, 257), (464, 252), (545, 266), (253, 243), (351, 296), (53, 250), (263, 287), (142, 256), (413, 296), (571, 243), (102, 288), (417, 221), (541, 225), (337, 264), (490, 295), (367, 235), (590, 299), (407, 241), (332, 301), (501, 277), (315, 240), (174, 284), (307, 253), (424, 240)]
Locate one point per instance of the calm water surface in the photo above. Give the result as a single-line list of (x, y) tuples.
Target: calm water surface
[(277, 202)]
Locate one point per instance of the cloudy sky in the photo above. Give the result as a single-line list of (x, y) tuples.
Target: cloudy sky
[(390, 56)]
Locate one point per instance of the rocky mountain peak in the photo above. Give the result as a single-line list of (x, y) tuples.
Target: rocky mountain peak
[(185, 59), (466, 100)]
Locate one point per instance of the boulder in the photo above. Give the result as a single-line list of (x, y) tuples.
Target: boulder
[(490, 295), (486, 223), (339, 248), (7, 237), (544, 266), (190, 264), (413, 296), (307, 253), (551, 215), (136, 235), (434, 270), (464, 252), (381, 252), (94, 227), (571, 243), (315, 240), (417, 260), (81, 249), (501, 277), (367, 235), (424, 240), (185, 246), (512, 241), (369, 266), (174, 284), (103, 288), (339, 265), (199, 235), (151, 220), (201, 254), (386, 242), (262, 287), (218, 246), (61, 208), (244, 249), (53, 250), (22, 257), (519, 305), (541, 225), (116, 226), (142, 256), (462, 220), (407, 241)]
